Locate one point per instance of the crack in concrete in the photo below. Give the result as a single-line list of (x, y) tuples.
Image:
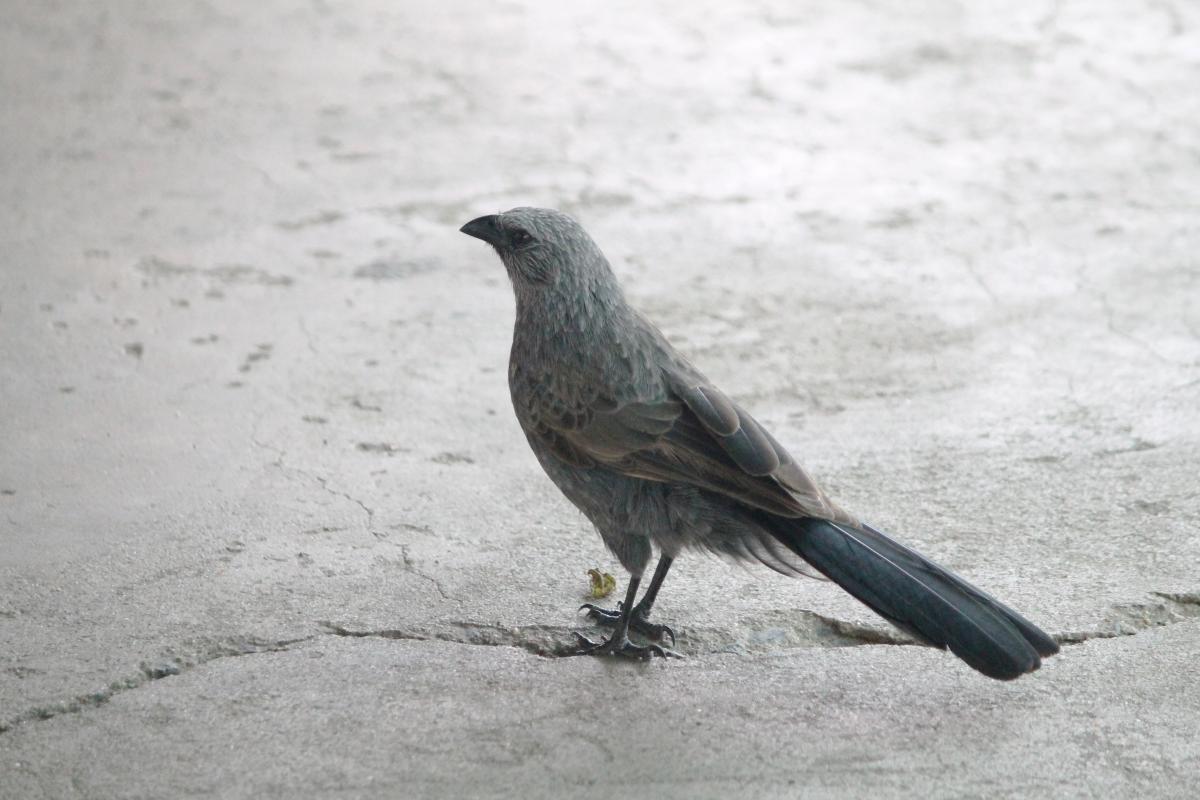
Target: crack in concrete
[(198, 653), (308, 337), (784, 630), (278, 451), (410, 565), (968, 261), (542, 640), (1110, 321), (787, 630), (323, 482), (1130, 619)]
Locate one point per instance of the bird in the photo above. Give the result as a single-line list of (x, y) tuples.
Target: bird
[(658, 458)]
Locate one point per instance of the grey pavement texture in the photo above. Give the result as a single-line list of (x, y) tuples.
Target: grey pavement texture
[(269, 529)]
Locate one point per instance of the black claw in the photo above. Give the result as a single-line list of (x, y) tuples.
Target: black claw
[(602, 615), (620, 647), (585, 644), (637, 621), (665, 631)]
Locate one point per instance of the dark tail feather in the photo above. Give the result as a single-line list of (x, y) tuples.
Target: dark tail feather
[(918, 596)]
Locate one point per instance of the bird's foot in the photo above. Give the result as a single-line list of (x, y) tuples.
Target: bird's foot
[(637, 621), (619, 645)]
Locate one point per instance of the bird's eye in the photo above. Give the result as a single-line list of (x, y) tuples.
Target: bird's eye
[(521, 238)]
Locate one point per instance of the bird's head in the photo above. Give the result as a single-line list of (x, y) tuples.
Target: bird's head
[(542, 249)]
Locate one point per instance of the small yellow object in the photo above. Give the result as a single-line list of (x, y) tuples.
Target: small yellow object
[(602, 583)]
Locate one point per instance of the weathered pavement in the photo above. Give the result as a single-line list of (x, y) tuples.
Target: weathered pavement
[(267, 528)]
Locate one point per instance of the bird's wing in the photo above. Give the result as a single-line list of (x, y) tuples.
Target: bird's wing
[(685, 431), (749, 446)]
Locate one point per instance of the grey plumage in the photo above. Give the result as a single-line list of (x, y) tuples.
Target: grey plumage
[(655, 455)]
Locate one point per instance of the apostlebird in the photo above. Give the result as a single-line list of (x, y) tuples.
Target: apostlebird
[(657, 457)]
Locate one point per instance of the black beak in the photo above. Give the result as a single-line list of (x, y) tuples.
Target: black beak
[(485, 228)]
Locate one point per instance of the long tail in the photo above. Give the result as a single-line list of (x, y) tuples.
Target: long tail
[(918, 596)]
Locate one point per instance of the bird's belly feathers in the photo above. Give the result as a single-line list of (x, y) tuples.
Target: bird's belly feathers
[(612, 501)]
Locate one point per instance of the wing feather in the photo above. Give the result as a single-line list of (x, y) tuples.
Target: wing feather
[(685, 431)]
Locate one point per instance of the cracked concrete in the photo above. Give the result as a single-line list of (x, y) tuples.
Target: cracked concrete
[(373, 717), (762, 633), (260, 488), (172, 662), (771, 631)]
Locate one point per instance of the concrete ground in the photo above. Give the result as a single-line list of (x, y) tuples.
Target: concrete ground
[(269, 529)]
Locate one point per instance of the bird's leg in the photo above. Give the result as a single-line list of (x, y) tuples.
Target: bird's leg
[(660, 573), (618, 644), (639, 617)]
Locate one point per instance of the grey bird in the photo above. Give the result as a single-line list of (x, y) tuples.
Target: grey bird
[(657, 457)]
